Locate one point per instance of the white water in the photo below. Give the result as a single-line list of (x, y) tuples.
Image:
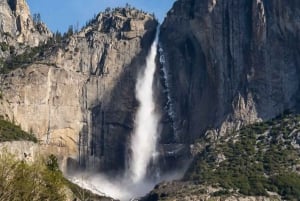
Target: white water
[(144, 139), (134, 183), (120, 187)]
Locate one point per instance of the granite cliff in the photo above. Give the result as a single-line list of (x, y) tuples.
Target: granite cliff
[(237, 62), (223, 64), (227, 64), (79, 97), (18, 29)]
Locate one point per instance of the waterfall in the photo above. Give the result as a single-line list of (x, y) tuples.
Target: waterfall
[(144, 139), (143, 144)]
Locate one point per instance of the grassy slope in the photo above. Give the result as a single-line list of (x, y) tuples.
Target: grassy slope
[(11, 132), (39, 180), (258, 158)]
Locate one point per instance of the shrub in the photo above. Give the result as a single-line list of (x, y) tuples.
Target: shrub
[(4, 46), (22, 181), (288, 185)]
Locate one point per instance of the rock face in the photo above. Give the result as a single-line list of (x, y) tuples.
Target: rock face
[(222, 68), (22, 150), (230, 63), (80, 100), (17, 27)]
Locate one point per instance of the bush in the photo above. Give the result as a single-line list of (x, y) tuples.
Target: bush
[(52, 163), (22, 181), (29, 56), (4, 46), (288, 185)]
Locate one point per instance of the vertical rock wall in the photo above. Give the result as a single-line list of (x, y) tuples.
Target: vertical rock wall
[(231, 62), (80, 100)]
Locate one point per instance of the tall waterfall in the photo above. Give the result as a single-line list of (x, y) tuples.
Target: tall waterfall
[(142, 144), (134, 182), (144, 139)]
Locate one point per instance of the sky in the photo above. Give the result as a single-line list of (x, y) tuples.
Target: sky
[(60, 14)]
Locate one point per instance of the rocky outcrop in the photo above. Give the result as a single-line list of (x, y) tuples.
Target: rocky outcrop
[(230, 63), (43, 100), (17, 23), (80, 100), (17, 28), (22, 150)]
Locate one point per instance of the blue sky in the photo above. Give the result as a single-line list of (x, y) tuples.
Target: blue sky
[(59, 14)]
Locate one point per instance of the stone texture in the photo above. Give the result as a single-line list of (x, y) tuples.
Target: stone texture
[(22, 150), (230, 63), (227, 63), (42, 100), (80, 101), (17, 27)]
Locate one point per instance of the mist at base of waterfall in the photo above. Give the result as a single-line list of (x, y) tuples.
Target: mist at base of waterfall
[(143, 144), (120, 187)]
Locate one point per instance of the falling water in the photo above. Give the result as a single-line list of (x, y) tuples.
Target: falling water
[(134, 182), (143, 144), (144, 139)]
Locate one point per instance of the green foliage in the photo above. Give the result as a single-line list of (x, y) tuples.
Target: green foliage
[(36, 18), (38, 180), (288, 185), (258, 158), (22, 60), (32, 54), (25, 58), (70, 31), (52, 163), (22, 181), (11, 132), (94, 18), (4, 46), (58, 37)]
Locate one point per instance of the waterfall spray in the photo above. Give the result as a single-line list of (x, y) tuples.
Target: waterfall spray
[(143, 145), (144, 139)]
